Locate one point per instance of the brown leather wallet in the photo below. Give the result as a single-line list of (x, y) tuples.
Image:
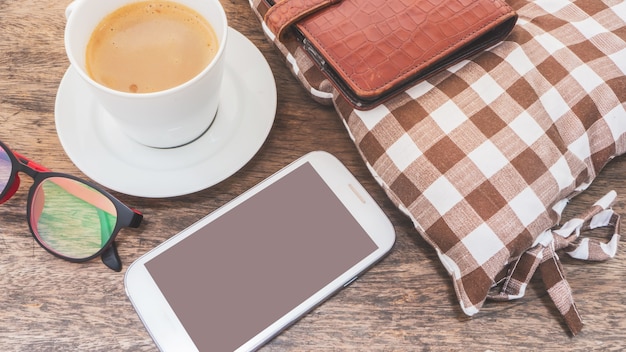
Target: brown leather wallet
[(374, 49)]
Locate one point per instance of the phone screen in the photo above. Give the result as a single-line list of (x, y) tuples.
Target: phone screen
[(241, 272)]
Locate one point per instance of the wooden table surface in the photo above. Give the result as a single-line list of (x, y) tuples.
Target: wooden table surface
[(405, 303)]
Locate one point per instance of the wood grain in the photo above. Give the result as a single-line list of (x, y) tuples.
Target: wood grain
[(405, 303)]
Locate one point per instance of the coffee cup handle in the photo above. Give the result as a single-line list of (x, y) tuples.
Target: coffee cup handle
[(69, 8)]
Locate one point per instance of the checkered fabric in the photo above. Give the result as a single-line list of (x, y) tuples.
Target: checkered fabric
[(485, 156), (544, 257)]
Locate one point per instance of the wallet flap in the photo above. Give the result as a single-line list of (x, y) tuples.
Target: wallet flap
[(285, 13)]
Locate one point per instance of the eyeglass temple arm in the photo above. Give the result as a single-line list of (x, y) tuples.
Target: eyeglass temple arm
[(111, 258)]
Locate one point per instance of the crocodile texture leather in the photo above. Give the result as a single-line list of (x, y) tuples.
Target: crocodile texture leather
[(373, 48), (285, 13)]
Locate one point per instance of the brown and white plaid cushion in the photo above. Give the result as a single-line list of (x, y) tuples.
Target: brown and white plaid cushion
[(484, 157)]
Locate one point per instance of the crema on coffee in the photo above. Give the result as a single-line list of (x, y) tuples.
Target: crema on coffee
[(149, 46)]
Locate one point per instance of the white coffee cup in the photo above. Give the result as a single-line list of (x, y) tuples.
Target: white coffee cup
[(162, 119)]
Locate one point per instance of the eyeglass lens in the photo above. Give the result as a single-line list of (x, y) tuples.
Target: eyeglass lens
[(5, 169), (68, 217), (71, 218)]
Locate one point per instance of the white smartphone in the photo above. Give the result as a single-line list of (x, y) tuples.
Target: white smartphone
[(242, 274)]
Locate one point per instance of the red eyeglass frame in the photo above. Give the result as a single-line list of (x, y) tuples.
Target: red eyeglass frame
[(126, 216)]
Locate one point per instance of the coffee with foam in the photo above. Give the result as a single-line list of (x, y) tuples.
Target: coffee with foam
[(150, 46)]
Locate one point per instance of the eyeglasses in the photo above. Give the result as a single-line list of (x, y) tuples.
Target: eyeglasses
[(69, 217)]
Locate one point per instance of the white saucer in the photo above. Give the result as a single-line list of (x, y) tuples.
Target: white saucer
[(105, 154)]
